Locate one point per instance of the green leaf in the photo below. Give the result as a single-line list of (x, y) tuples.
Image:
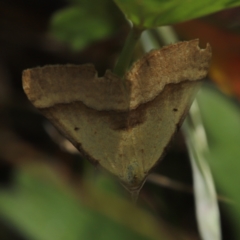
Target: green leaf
[(221, 118), (42, 207), (153, 13), (85, 22), (207, 210)]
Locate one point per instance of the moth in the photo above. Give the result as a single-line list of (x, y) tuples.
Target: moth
[(123, 125)]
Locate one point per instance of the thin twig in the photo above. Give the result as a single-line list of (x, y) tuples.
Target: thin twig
[(178, 186)]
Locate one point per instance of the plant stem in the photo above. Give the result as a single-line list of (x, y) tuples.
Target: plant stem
[(126, 54)]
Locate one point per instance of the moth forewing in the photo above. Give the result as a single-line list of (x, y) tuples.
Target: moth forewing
[(124, 126)]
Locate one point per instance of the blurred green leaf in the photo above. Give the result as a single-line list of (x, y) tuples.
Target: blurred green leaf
[(221, 117), (85, 22), (153, 13), (42, 207), (207, 210)]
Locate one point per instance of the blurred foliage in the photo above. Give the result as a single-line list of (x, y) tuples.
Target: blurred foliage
[(40, 200), (207, 209), (153, 13), (221, 118), (86, 21)]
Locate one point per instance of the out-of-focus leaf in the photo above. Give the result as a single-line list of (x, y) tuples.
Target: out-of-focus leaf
[(204, 190), (85, 22), (221, 118), (154, 13), (43, 208)]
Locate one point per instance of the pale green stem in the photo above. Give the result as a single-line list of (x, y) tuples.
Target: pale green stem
[(126, 54)]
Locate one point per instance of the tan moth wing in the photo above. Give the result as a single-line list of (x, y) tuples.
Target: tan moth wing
[(123, 127)]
